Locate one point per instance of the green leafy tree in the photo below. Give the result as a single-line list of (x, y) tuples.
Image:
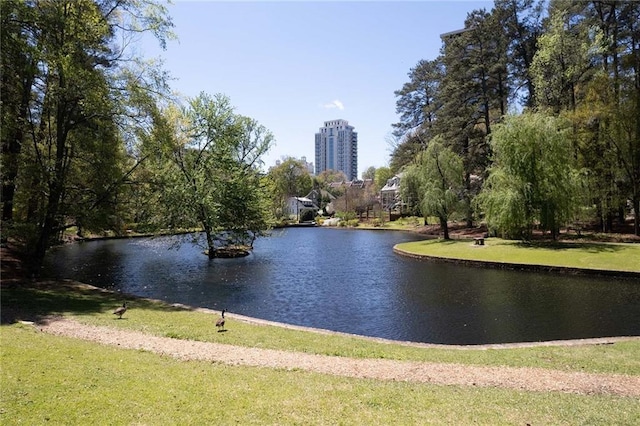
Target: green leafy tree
[(383, 174), (370, 173), (404, 152), (331, 181), (211, 179), (438, 174), (594, 122), (246, 197), (624, 136), (289, 179), (587, 68), (410, 190), (328, 176), (614, 95), (474, 93), (561, 63), (18, 59), (66, 75), (417, 102), (532, 181), (522, 24)]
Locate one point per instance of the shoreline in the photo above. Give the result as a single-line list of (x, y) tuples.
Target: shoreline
[(570, 270), (13, 274), (72, 285), (486, 346)]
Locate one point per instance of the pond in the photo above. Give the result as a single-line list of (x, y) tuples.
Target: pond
[(351, 281)]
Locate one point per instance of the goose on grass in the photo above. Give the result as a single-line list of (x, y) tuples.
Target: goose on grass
[(220, 321), (121, 310)]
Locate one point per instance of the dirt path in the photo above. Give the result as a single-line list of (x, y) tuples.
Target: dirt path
[(529, 379)]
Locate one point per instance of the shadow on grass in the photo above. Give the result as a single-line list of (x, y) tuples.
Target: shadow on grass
[(556, 245), (37, 301)]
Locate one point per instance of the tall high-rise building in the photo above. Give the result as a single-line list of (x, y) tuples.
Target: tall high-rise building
[(337, 148)]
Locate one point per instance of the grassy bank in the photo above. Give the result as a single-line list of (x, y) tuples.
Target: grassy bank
[(600, 256), (91, 306), (65, 381), (56, 380)]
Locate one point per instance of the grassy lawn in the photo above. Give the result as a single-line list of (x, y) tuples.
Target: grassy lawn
[(57, 380), (402, 224), (94, 307), (604, 256)]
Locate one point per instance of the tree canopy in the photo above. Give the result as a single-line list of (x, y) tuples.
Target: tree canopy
[(67, 89), (289, 179), (574, 60), (532, 180), (437, 179), (537, 101), (210, 179)]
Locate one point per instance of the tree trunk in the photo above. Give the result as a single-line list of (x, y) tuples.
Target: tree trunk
[(12, 148), (57, 185), (211, 251), (610, 216), (636, 216), (445, 228), (467, 199), (46, 230), (211, 246)]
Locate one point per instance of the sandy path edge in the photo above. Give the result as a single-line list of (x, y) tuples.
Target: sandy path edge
[(527, 379)]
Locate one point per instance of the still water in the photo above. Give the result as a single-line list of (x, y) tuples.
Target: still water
[(351, 281)]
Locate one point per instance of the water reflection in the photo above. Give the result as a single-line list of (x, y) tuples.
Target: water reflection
[(351, 281)]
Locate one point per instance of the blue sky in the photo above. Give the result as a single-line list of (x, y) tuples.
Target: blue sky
[(292, 65)]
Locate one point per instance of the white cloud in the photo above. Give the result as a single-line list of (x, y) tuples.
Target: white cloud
[(334, 104)]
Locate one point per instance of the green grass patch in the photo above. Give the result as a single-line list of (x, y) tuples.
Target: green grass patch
[(58, 380), (95, 307), (410, 223), (601, 256)]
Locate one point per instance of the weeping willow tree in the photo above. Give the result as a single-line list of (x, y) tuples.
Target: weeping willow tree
[(437, 177), (532, 181)]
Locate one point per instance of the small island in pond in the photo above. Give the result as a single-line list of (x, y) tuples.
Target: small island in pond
[(230, 252)]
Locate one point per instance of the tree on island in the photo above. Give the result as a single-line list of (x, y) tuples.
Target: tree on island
[(208, 176)]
